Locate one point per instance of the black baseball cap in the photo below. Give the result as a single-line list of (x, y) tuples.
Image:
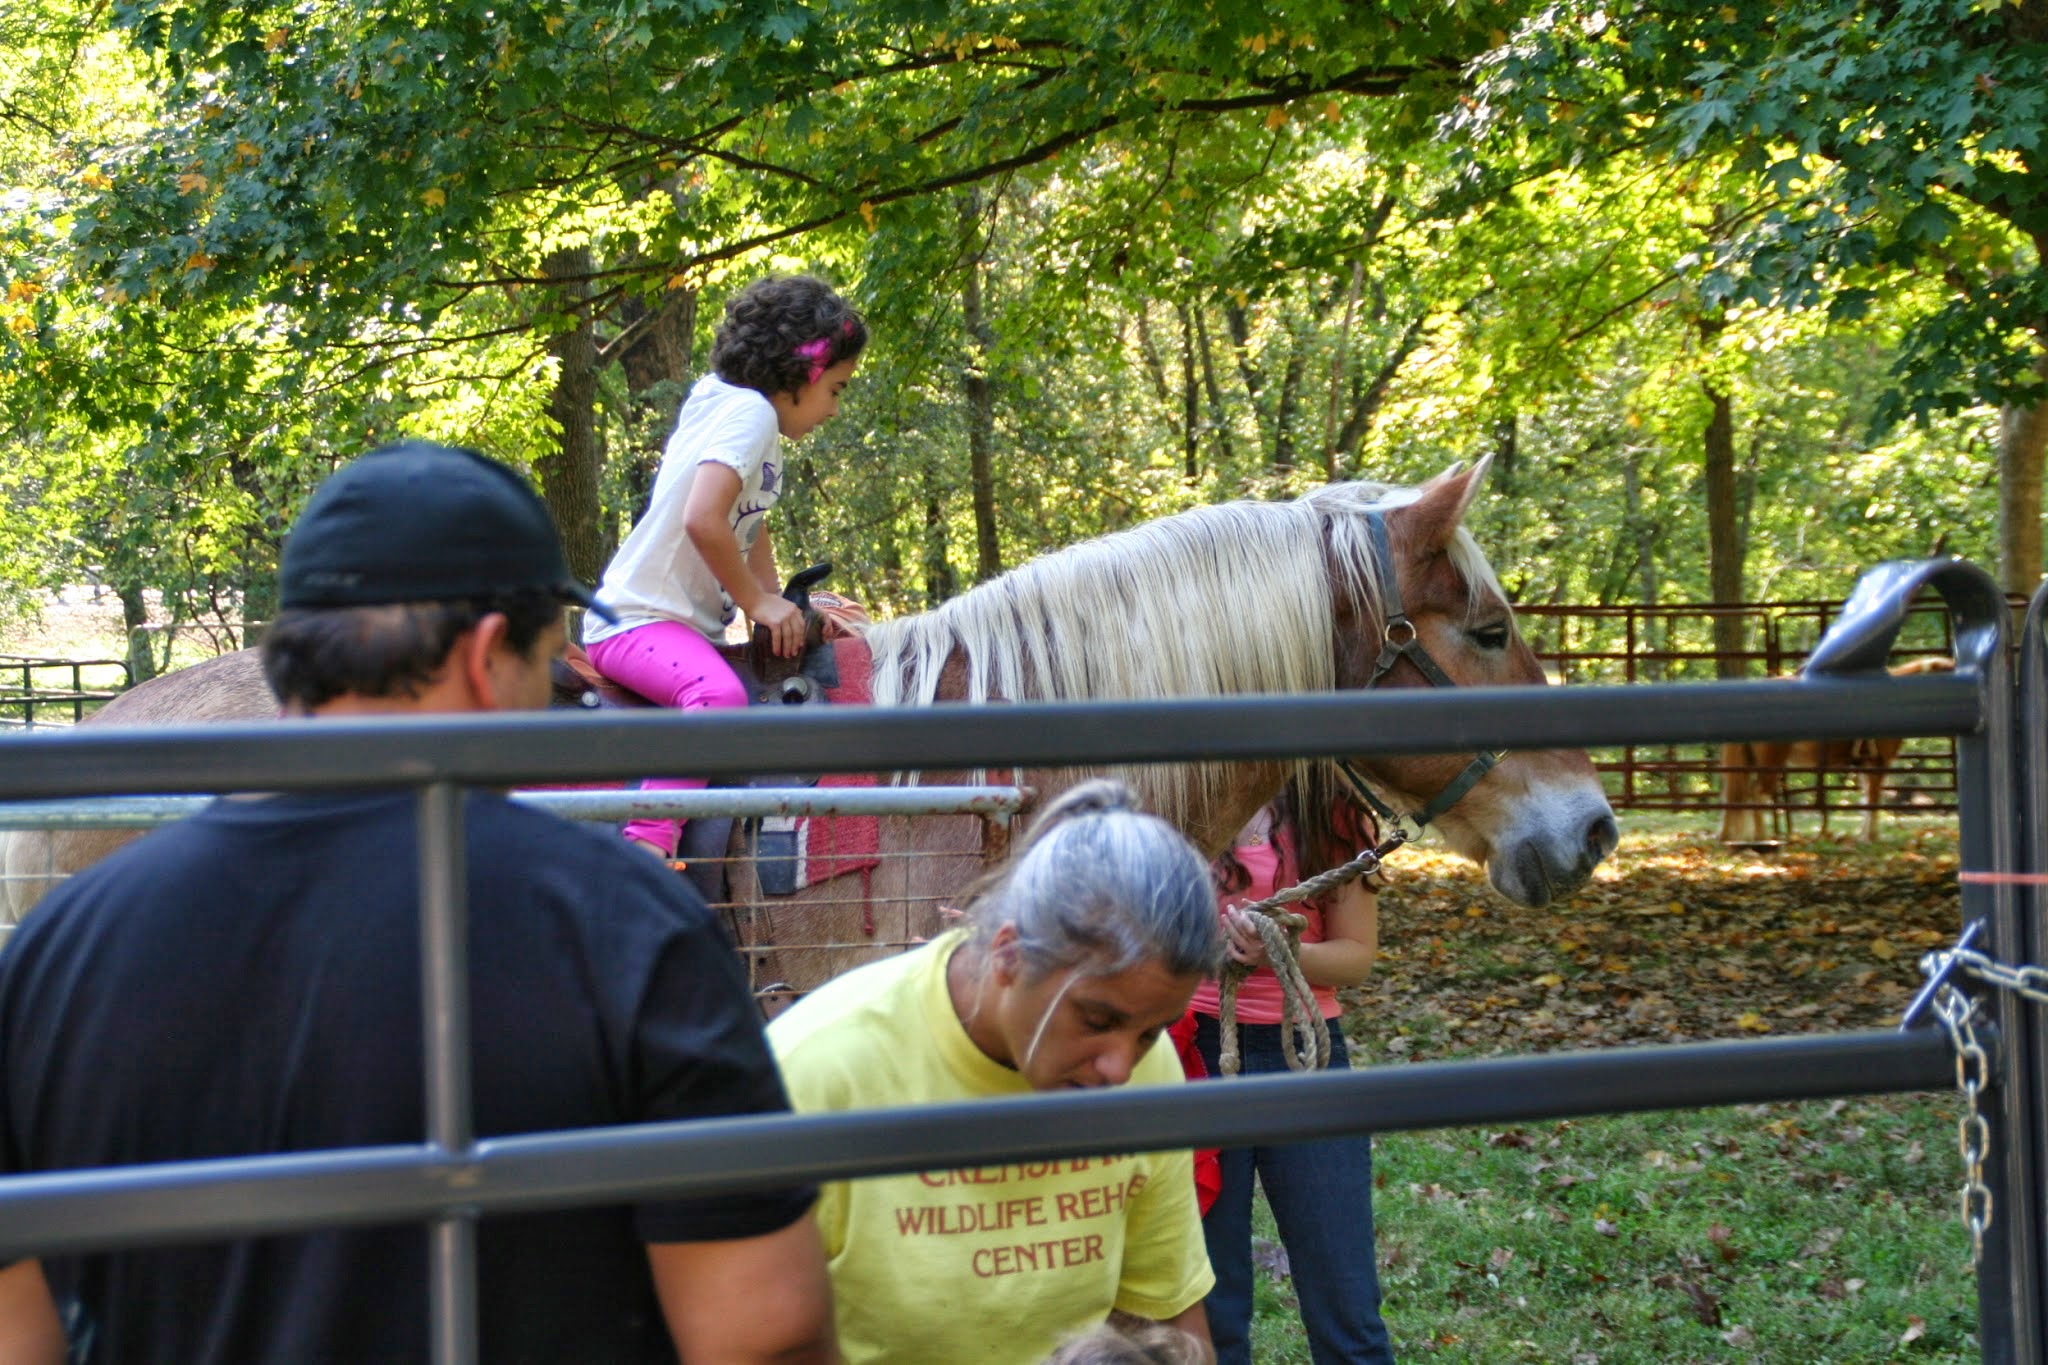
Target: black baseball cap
[(420, 522)]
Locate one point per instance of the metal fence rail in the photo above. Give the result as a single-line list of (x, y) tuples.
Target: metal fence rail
[(211, 1199), (20, 702), (501, 750), (451, 1178), (144, 812)]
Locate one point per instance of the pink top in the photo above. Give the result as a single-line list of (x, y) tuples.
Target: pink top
[(1270, 866)]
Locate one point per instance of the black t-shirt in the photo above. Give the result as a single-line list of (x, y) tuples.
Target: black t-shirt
[(247, 981)]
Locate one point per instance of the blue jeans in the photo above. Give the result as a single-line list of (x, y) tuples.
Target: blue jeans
[(1321, 1196)]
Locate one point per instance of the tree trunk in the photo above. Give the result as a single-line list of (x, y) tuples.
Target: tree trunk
[(1339, 363), (1190, 399), (1290, 401), (981, 404), (1367, 399), (657, 367), (1239, 321), (569, 475), (1724, 537), (2022, 439), (1507, 450), (1645, 532), (1219, 420), (940, 583), (135, 618)]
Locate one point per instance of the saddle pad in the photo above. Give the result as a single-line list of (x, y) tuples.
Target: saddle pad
[(796, 851)]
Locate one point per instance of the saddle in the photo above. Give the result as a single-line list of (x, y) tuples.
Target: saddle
[(769, 680)]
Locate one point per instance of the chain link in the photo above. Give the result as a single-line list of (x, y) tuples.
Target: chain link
[(2022, 979), (1958, 1014)]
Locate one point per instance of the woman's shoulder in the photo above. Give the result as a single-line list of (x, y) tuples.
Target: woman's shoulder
[(846, 1010)]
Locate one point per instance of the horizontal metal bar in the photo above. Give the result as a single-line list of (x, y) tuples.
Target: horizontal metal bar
[(141, 812), (750, 802), (71, 1211), (507, 749)]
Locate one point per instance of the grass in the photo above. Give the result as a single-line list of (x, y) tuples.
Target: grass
[(1817, 1232), (1824, 1231)]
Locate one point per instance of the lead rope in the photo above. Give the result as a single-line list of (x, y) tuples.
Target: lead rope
[(1303, 1036)]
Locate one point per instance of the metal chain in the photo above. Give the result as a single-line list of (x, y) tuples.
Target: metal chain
[(1957, 1012), (2022, 979)]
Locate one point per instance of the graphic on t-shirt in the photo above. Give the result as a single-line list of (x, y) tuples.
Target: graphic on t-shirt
[(742, 512), (770, 475), (1025, 1230)]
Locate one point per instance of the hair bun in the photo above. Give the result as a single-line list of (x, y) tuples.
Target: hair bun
[(1096, 796)]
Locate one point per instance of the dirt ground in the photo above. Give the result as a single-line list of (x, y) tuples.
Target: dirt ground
[(1676, 940)]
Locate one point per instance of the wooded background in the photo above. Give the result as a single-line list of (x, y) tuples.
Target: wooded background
[(1743, 297)]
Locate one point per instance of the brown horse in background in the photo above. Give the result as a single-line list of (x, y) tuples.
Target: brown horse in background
[(1753, 772)]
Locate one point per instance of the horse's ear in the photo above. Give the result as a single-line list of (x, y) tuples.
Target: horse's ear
[(1439, 507)]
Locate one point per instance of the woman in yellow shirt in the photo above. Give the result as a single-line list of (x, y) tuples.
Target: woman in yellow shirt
[(1075, 959)]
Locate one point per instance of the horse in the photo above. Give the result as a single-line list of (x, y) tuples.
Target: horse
[(1350, 585), (226, 688), (1753, 772)]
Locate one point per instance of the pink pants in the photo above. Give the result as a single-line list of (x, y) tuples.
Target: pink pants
[(671, 664)]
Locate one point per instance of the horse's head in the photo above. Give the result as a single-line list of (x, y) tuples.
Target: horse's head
[(1538, 821)]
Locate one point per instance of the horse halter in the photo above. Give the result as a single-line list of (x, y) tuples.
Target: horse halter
[(1400, 640)]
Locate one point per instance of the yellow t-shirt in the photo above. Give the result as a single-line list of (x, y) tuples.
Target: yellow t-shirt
[(996, 1264)]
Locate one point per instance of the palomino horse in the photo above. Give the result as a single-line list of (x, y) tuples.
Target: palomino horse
[(1753, 772), (1246, 597)]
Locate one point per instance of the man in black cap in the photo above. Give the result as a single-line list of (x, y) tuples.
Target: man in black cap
[(248, 981)]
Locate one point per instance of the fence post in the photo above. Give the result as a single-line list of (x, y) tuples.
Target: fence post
[(2031, 741), (2010, 1296), (2010, 1301), (444, 1011)]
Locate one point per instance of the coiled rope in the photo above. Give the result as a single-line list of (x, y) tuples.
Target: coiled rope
[(1303, 1037)]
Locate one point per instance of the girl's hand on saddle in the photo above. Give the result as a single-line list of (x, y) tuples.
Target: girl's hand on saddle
[(784, 623), (1241, 938)]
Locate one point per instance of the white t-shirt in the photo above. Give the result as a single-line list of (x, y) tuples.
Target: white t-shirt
[(657, 575)]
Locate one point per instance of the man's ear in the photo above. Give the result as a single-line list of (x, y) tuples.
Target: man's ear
[(479, 656)]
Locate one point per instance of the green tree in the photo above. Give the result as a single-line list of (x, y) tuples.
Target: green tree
[(1895, 144)]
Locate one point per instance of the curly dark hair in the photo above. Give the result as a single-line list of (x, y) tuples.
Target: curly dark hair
[(765, 323)]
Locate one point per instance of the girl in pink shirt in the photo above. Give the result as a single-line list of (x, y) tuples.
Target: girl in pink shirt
[(1320, 1192)]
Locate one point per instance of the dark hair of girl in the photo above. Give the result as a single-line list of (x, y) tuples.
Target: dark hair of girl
[(1304, 813), (770, 339)]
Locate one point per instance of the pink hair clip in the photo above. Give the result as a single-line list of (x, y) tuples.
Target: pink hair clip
[(819, 351), (816, 352)]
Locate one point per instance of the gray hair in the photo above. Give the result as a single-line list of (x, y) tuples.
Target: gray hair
[(1101, 885), (1130, 1343)]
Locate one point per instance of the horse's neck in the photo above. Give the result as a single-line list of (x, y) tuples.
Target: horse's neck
[(1214, 813)]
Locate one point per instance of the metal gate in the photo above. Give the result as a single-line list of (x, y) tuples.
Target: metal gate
[(449, 1178)]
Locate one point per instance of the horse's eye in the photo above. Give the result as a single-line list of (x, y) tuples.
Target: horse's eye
[(1490, 637)]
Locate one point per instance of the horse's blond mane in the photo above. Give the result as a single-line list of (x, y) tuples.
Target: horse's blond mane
[(1230, 599)]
